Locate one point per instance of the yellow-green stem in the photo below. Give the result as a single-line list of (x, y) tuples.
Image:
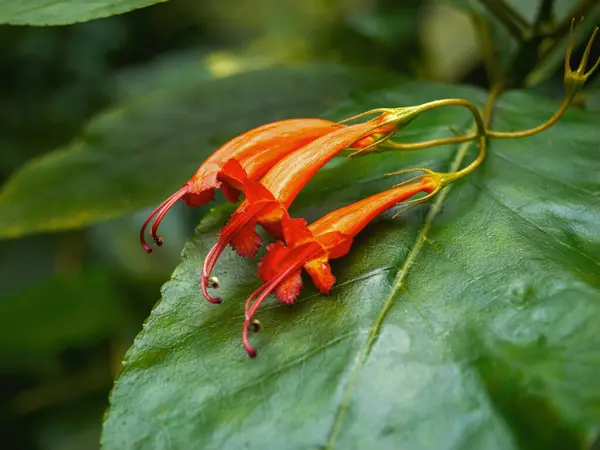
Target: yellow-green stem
[(432, 143), (483, 122), (530, 132), (489, 133)]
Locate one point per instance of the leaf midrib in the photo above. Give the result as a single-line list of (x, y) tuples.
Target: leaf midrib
[(398, 282)]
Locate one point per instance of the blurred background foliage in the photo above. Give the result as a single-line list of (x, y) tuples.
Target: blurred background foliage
[(71, 302)]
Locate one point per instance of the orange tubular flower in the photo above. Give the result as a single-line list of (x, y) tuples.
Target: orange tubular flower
[(249, 155), (267, 202), (311, 247)]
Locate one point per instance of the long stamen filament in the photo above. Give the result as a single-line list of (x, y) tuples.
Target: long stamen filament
[(145, 225), (161, 211), (266, 289), (217, 250), (248, 303), (209, 263)]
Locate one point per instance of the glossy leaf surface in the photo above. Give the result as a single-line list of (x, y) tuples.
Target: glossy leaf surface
[(63, 12), (470, 322)]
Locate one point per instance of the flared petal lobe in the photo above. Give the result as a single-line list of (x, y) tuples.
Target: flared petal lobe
[(266, 202), (320, 273), (287, 178), (249, 155), (332, 235), (311, 247)]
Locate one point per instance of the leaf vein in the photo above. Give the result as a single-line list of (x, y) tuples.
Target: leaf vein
[(485, 189), (302, 359), (398, 284), (594, 195)]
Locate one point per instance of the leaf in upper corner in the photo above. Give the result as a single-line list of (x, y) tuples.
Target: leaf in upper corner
[(64, 12), (137, 153), (477, 332)]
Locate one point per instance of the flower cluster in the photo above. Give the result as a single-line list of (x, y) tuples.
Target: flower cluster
[(271, 164)]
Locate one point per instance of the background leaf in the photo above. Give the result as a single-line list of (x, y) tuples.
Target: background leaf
[(504, 46), (467, 323), (134, 155), (63, 12), (86, 307)]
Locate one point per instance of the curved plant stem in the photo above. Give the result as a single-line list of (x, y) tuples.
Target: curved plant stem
[(530, 132), (482, 124), (383, 144)]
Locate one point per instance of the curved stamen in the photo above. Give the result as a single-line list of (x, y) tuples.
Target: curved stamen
[(159, 209), (267, 289), (215, 252), (209, 263), (145, 224), (167, 205)]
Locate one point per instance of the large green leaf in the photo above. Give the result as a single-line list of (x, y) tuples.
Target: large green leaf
[(470, 323), (63, 12), (139, 152)]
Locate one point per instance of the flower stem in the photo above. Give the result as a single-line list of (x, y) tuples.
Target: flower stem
[(530, 132)]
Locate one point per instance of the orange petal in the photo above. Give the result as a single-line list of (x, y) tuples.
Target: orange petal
[(273, 261), (295, 231), (337, 243), (279, 257), (270, 220), (199, 197), (246, 240), (231, 194), (232, 174), (320, 272), (288, 290), (256, 192)]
